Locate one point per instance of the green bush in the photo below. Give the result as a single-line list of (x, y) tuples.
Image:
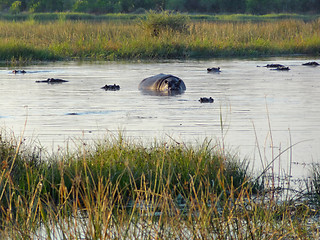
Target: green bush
[(44, 16), (156, 23), (15, 7), (80, 6)]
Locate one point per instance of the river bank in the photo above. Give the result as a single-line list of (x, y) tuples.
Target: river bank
[(32, 40), (121, 189)]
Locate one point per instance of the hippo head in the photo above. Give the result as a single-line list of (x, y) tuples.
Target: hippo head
[(172, 84)]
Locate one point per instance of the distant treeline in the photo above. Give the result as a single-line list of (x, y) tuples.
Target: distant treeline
[(139, 6)]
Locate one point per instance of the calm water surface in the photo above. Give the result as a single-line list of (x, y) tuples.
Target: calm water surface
[(251, 102)]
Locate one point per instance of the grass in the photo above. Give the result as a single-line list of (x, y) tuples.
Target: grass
[(119, 189), (136, 39), (125, 17)]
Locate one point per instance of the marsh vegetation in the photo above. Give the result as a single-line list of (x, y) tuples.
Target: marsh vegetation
[(129, 6), (118, 188), (158, 36)]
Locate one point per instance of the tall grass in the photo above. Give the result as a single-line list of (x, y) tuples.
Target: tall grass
[(63, 39), (125, 17), (313, 185), (120, 189)]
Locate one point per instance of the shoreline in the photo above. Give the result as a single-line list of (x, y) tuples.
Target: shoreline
[(117, 41)]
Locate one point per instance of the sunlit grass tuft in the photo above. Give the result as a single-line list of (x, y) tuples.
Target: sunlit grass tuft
[(121, 189)]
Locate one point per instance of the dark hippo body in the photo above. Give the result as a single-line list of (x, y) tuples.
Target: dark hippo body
[(52, 81), (214, 69), (163, 84), (274, 65), (113, 87), (19, 71), (206, 100), (283, 68), (311, 64)]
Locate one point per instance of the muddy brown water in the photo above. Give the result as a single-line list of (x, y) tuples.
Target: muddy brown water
[(257, 112)]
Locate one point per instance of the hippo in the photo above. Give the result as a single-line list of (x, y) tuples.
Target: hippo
[(311, 64), (213, 69), (206, 100), (113, 87), (52, 81), (274, 65), (162, 84), (19, 71), (283, 68)]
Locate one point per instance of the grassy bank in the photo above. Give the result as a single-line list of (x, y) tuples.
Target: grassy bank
[(134, 16), (121, 40), (69, 16), (120, 189)]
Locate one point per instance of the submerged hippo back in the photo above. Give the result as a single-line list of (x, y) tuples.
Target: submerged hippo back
[(163, 83)]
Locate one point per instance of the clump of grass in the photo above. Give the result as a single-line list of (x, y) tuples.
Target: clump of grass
[(157, 23), (120, 189), (130, 166), (313, 186), (18, 51)]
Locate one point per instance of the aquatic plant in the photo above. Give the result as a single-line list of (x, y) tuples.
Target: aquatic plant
[(313, 186), (117, 188)]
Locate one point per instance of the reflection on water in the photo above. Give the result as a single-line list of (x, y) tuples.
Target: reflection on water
[(256, 111), (89, 112), (161, 93)]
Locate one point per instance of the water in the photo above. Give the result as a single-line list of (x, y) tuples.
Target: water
[(256, 112)]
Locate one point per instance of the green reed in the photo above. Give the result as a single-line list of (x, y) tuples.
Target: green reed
[(112, 40), (117, 188)]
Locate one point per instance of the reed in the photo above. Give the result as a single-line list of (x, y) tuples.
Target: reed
[(118, 189), (113, 40), (313, 186)]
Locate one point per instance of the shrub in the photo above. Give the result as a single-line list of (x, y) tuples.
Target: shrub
[(15, 7), (81, 6), (156, 23)]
